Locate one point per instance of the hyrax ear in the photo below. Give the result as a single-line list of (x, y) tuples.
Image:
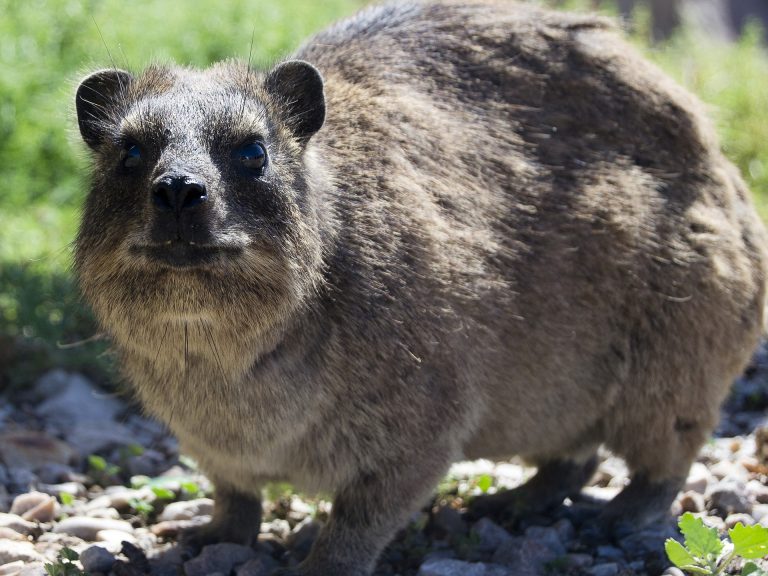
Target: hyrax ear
[(298, 87), (94, 100)]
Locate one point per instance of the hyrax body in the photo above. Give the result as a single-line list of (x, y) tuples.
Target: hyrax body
[(465, 230)]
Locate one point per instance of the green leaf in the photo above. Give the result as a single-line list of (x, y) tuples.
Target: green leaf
[(97, 462), (190, 487), (700, 540), (752, 569), (163, 493), (69, 554), (749, 542), (484, 482), (678, 555), (66, 498)]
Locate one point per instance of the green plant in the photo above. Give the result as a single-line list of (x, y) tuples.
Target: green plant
[(100, 470), (65, 564), (705, 553)]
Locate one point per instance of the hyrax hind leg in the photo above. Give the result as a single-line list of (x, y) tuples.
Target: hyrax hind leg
[(554, 481), (236, 519)]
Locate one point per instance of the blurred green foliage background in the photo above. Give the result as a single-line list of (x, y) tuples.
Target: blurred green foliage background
[(47, 45)]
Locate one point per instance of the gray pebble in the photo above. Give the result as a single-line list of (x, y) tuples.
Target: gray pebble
[(186, 510), (12, 551), (741, 518), (728, 498), (608, 569), (222, 557), (565, 530), (692, 501), (610, 553), (86, 527), (261, 566), (460, 568), (489, 534), (579, 560), (526, 555), (97, 559), (548, 536), (17, 523), (449, 520)]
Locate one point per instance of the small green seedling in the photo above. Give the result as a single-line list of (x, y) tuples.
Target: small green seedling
[(704, 552), (101, 470), (65, 564)]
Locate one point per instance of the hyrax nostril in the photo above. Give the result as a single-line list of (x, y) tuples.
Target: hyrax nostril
[(178, 193)]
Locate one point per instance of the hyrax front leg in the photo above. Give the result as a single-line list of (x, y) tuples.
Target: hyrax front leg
[(236, 518), (365, 516), (554, 481), (639, 504)]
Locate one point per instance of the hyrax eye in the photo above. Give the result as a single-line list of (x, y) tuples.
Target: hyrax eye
[(132, 157), (252, 156)]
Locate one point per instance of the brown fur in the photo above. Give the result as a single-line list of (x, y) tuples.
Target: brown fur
[(511, 235)]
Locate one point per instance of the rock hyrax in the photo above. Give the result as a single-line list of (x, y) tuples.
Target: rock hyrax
[(441, 230)]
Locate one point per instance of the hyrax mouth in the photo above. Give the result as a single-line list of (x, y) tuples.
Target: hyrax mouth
[(186, 254)]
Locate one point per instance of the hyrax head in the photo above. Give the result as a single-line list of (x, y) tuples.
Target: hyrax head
[(202, 202)]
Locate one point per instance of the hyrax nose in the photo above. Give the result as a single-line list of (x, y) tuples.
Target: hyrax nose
[(178, 193)]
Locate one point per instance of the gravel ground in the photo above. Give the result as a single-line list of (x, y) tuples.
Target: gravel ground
[(84, 470)]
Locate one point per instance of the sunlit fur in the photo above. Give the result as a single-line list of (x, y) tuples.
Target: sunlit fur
[(511, 236)]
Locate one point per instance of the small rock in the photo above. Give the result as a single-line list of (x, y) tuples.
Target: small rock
[(12, 551), (691, 501), (728, 498), (526, 555), (610, 553), (263, 565), (548, 536), (760, 513), (186, 510), (149, 463), (53, 473), (172, 528), (9, 534), (672, 571), (729, 471), (122, 499), (91, 437), (759, 491), (114, 537), (608, 569), (35, 506), (489, 534), (33, 569), (18, 480), (449, 521), (30, 449), (86, 527), (71, 488), (17, 523), (218, 558), (699, 478), (108, 513), (97, 559), (279, 527), (12, 568), (579, 560), (460, 568), (734, 519), (72, 398), (565, 530)]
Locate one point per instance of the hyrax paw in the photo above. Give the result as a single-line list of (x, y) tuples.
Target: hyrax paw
[(194, 539)]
